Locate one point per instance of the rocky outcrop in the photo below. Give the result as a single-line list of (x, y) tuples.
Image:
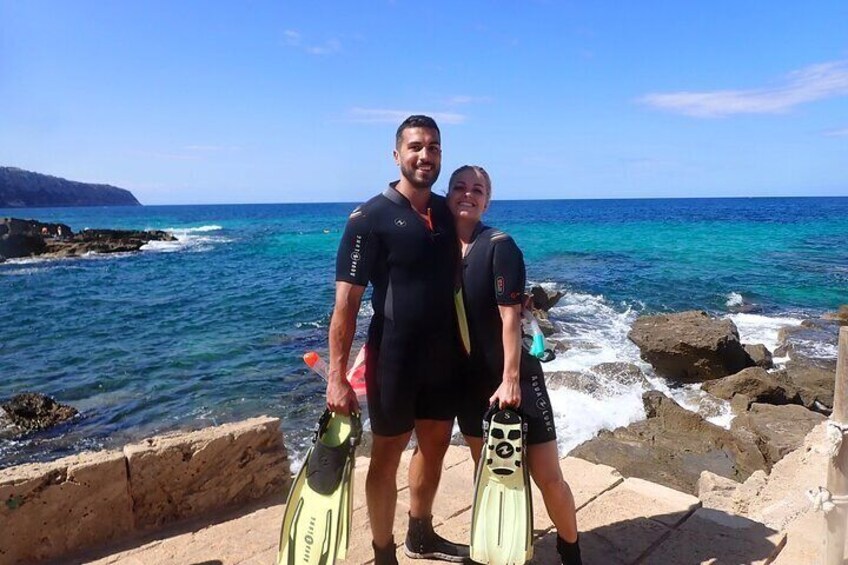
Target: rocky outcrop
[(777, 430), (32, 411), (544, 299), (841, 315), (26, 238), (756, 385), (672, 446), (25, 189), (776, 499), (690, 346), (541, 301)]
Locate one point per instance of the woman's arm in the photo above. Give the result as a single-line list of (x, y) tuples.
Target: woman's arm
[(509, 391)]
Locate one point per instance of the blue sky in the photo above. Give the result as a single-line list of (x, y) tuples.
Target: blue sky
[(213, 102)]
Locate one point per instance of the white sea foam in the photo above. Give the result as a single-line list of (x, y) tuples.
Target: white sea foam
[(756, 328), (734, 299), (188, 239)]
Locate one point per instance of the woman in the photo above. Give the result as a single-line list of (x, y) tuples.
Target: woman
[(499, 369)]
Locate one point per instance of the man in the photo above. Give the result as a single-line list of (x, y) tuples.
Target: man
[(403, 242)]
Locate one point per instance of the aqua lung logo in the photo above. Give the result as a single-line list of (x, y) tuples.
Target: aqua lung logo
[(400, 222), (356, 255), (504, 450), (309, 539), (542, 403)]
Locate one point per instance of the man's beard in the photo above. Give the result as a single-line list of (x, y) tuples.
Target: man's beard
[(409, 175)]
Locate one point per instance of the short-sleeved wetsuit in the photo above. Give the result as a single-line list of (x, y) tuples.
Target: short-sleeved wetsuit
[(412, 338), (493, 274)]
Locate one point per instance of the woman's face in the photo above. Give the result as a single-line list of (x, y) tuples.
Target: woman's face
[(468, 196)]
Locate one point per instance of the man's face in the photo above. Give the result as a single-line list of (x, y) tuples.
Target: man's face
[(419, 156)]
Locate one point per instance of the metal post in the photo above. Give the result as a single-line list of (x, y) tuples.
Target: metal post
[(837, 469)]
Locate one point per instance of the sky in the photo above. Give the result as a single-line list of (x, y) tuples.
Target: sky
[(262, 102)]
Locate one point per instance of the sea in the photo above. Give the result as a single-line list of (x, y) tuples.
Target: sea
[(212, 328)]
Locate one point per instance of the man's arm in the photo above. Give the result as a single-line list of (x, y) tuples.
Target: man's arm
[(340, 395)]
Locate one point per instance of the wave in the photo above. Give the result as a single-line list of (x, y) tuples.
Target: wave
[(595, 331), (734, 299), (200, 229), (188, 239)]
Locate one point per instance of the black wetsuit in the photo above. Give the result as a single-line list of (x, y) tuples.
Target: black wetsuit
[(412, 339), (493, 274)]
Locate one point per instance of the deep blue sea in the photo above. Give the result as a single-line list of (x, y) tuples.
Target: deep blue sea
[(212, 328)]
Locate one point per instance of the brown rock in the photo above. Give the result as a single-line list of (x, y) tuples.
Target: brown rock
[(626, 374), (690, 346), (32, 411), (841, 315), (760, 355), (573, 380), (777, 429), (815, 384), (544, 300), (187, 475), (53, 509), (672, 447), (756, 384)]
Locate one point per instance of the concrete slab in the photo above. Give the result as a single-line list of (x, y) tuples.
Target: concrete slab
[(586, 480), (625, 522), (805, 541), (713, 537)]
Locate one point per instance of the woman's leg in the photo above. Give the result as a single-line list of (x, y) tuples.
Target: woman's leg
[(475, 445), (543, 461)]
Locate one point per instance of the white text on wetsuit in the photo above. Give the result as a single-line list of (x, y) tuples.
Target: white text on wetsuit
[(356, 255)]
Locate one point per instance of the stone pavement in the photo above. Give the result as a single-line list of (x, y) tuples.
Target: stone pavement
[(621, 520)]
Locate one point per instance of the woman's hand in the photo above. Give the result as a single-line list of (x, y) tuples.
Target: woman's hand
[(507, 395)]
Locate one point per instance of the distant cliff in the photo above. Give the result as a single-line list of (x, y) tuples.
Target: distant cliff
[(25, 189)]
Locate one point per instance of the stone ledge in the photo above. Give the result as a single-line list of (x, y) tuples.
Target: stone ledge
[(77, 503)]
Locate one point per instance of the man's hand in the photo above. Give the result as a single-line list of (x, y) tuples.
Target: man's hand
[(340, 395), (341, 399)]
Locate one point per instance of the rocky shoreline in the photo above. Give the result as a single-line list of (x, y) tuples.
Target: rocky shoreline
[(774, 407), (31, 238)]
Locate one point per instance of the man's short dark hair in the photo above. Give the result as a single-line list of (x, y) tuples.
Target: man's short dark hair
[(416, 121)]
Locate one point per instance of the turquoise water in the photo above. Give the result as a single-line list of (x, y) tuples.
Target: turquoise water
[(211, 329)]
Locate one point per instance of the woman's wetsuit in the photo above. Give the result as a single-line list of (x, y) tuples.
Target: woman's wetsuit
[(493, 274)]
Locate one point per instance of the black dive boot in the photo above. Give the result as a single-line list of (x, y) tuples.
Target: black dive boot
[(385, 555), (424, 543), (569, 552)]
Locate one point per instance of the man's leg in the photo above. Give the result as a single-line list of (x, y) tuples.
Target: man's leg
[(425, 471), (381, 485), (425, 468)]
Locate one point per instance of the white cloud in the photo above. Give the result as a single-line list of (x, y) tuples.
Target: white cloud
[(293, 38), (382, 116), (816, 82), (330, 47), (836, 132)]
